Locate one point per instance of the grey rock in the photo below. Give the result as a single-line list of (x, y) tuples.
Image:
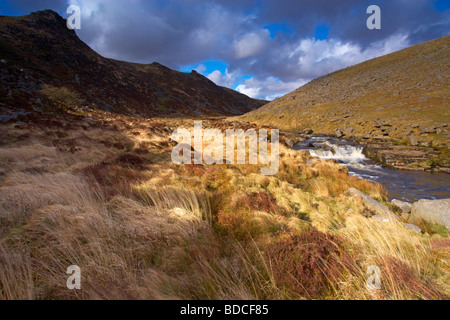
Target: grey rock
[(429, 130), (413, 140), (426, 144), (432, 211), (413, 227), (405, 206), (289, 143), (339, 133), (384, 219), (348, 132), (308, 131), (372, 205)]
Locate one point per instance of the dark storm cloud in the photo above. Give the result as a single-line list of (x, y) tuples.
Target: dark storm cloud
[(238, 32), (27, 6)]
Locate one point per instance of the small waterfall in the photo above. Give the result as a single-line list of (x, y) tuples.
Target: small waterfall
[(345, 153), (405, 185)]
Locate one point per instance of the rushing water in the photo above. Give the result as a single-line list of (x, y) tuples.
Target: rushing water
[(400, 184)]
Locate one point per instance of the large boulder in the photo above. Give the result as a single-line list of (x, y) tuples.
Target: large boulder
[(373, 205), (432, 211)]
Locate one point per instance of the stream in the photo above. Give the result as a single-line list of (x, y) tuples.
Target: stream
[(403, 185)]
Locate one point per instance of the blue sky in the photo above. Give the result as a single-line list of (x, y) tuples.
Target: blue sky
[(262, 48)]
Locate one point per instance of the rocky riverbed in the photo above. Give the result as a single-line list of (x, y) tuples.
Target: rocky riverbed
[(404, 185)]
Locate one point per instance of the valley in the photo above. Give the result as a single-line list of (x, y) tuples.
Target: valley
[(87, 179)]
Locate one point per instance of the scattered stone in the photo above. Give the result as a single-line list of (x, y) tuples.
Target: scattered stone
[(412, 140), (428, 130), (406, 133), (308, 131), (289, 143), (432, 211), (426, 144), (348, 132), (373, 205), (338, 133)]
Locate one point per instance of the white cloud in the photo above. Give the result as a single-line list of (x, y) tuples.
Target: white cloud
[(267, 89), (225, 80), (251, 44), (145, 31), (200, 68)]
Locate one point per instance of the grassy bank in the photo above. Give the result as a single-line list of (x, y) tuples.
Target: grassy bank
[(106, 197)]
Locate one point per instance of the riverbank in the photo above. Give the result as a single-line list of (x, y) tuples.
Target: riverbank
[(401, 184)]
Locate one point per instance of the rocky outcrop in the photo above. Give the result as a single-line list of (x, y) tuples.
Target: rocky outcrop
[(57, 57), (432, 211), (382, 213), (372, 205)]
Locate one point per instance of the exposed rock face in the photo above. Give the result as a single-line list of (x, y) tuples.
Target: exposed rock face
[(432, 211), (39, 49), (372, 205), (402, 157)]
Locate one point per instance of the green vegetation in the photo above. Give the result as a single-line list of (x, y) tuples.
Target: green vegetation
[(61, 97)]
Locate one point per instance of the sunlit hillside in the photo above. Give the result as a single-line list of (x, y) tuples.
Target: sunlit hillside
[(401, 99)]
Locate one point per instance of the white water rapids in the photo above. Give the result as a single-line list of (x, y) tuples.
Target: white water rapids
[(342, 152), (403, 185)]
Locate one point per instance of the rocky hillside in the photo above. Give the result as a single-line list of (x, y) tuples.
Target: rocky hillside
[(39, 49), (397, 104)]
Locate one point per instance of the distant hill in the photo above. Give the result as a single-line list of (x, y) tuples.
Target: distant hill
[(39, 49), (396, 105), (392, 97)]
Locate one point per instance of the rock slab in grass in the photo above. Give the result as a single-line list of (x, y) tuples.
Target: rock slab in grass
[(404, 206), (413, 227), (432, 211), (372, 204)]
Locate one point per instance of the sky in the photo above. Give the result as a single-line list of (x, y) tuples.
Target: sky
[(262, 48)]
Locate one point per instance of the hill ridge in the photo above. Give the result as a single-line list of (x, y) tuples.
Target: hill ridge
[(39, 49), (400, 100)]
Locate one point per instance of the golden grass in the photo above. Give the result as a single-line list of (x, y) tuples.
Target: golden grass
[(142, 228)]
